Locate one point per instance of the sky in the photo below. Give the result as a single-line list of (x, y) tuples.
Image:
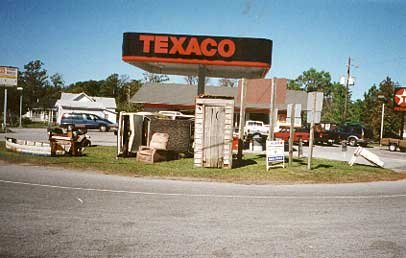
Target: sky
[(82, 40)]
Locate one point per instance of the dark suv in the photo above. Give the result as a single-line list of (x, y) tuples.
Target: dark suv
[(355, 134), (89, 121)]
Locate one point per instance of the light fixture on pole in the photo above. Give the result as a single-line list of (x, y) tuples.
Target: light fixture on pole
[(382, 97), (20, 90)]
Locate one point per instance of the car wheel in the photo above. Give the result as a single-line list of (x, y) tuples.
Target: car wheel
[(87, 143), (70, 127), (103, 128), (352, 142), (392, 147)]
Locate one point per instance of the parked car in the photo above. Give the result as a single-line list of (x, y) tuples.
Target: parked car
[(300, 133), (255, 127), (89, 121), (354, 133), (325, 133), (393, 144), (175, 115)]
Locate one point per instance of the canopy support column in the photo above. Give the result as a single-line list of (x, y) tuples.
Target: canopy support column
[(202, 80)]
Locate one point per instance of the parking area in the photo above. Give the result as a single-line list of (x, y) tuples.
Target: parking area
[(393, 160), (40, 134)]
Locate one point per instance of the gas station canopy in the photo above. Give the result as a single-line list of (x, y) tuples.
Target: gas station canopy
[(226, 57)]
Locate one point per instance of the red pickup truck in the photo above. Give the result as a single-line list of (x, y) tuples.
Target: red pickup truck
[(300, 133)]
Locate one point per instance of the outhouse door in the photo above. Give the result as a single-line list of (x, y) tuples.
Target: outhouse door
[(213, 138)]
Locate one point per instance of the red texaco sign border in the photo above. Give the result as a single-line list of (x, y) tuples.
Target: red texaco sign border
[(399, 99)]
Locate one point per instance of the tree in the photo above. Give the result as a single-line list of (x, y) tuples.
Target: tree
[(312, 80), (53, 90), (155, 78), (110, 86), (34, 80), (91, 87), (225, 82), (372, 109), (333, 105), (128, 89), (334, 93), (57, 80)]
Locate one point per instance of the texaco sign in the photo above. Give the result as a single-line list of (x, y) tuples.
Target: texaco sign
[(400, 99)]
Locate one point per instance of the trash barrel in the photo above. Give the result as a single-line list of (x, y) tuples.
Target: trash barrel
[(344, 146), (257, 143), (235, 143)]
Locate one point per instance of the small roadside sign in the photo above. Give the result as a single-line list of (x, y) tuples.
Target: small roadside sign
[(275, 154), (314, 106), (297, 116), (317, 117), (319, 101)]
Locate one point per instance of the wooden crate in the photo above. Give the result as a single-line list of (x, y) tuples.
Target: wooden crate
[(213, 132)]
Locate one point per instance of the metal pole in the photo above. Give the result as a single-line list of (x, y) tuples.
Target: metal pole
[(5, 110), (201, 80), (242, 120), (309, 158), (346, 88), (291, 134), (21, 108), (272, 111), (382, 116)]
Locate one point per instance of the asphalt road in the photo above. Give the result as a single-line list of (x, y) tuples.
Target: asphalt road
[(49, 212)]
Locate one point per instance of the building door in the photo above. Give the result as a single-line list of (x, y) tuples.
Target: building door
[(213, 139)]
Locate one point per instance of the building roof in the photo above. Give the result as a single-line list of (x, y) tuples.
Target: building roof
[(183, 96), (75, 100)]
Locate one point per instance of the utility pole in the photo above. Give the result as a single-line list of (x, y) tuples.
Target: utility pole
[(346, 88)]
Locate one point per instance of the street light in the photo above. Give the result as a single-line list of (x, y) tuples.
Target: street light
[(382, 116), (20, 89)]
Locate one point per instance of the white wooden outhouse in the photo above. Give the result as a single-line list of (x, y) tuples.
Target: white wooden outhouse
[(213, 132)]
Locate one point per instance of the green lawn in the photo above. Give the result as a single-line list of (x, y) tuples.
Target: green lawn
[(103, 159)]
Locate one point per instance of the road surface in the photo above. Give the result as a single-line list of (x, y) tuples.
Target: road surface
[(52, 212)]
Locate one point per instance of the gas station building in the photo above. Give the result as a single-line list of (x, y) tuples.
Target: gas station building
[(181, 97)]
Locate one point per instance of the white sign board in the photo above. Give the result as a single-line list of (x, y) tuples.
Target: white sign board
[(314, 105), (8, 76), (298, 118), (317, 117), (319, 100), (275, 153)]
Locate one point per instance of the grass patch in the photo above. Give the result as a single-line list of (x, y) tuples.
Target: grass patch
[(35, 125), (102, 159)]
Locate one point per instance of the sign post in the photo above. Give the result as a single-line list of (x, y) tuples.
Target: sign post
[(272, 110), (293, 116), (8, 78), (4, 125), (315, 104), (242, 121)]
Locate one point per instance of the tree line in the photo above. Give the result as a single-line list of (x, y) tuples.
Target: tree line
[(41, 90), (366, 110)]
